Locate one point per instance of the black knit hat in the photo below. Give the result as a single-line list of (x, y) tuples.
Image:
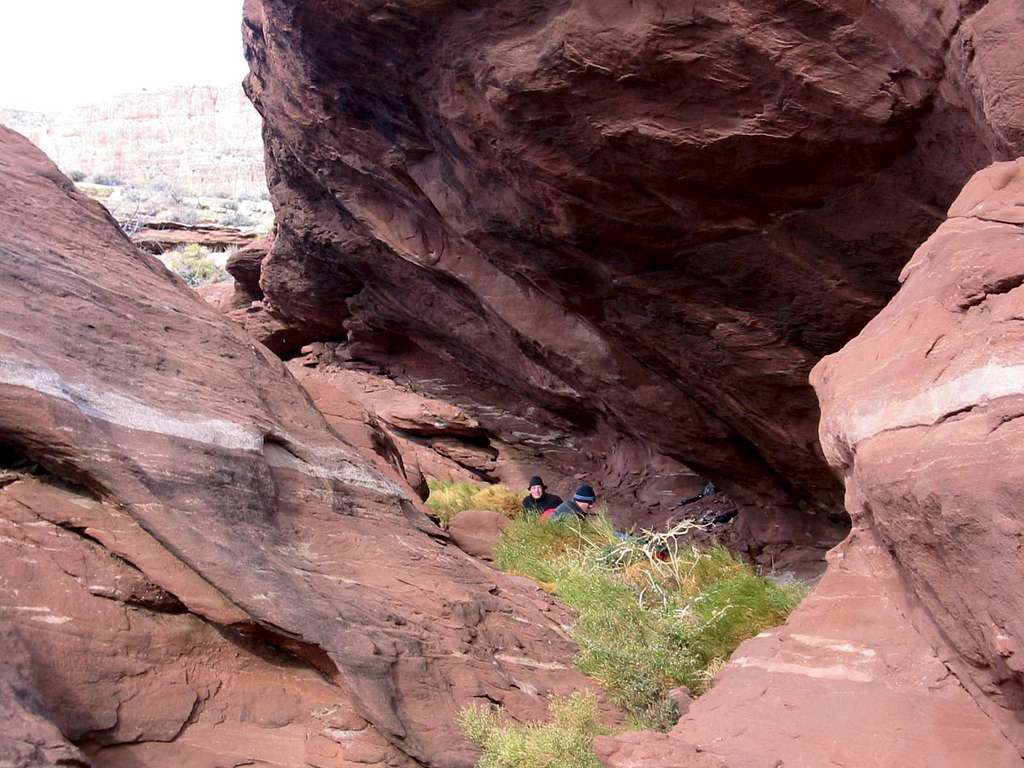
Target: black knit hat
[(536, 480), (585, 493)]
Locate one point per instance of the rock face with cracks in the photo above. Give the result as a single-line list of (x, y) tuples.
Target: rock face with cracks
[(848, 681), (192, 560), (622, 233), (923, 414), (908, 651)]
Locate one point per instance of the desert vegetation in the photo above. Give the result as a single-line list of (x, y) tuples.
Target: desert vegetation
[(198, 265), (449, 497), (136, 206), (653, 612), (565, 741)]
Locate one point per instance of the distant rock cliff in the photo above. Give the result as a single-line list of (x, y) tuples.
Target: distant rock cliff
[(203, 140)]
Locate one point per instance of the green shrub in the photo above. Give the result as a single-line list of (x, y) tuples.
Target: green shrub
[(195, 266), (565, 742), (652, 613), (729, 611), (76, 175), (447, 498)]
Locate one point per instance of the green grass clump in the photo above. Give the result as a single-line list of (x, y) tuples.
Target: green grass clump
[(653, 612), (196, 266), (448, 498), (565, 742), (536, 549)]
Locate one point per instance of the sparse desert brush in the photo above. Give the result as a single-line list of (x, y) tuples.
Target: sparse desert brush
[(233, 218), (447, 498), (186, 216), (196, 266), (107, 179), (564, 742)]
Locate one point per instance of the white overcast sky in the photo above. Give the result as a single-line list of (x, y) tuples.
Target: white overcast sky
[(58, 53)]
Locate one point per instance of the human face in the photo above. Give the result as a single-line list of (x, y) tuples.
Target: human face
[(536, 491), (586, 506)]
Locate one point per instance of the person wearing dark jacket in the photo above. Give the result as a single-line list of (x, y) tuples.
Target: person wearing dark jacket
[(539, 500), (580, 505)]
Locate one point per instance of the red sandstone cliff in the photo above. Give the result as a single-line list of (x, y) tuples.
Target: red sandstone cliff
[(621, 233), (909, 651), (195, 569), (922, 415)]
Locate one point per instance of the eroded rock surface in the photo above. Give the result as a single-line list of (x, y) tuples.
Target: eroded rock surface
[(907, 652), (214, 500), (134, 678), (922, 414), (848, 681), (478, 531), (626, 230)]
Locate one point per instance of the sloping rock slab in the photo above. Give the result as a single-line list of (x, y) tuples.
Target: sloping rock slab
[(114, 375), (848, 681), (136, 680), (922, 414)]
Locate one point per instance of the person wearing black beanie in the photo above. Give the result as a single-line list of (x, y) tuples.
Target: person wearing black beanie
[(538, 500)]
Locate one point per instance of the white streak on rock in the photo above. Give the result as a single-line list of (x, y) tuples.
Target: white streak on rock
[(128, 412), (342, 469), (52, 619), (835, 672), (987, 382), (833, 645), (522, 661)]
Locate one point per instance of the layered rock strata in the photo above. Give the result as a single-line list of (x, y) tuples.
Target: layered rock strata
[(628, 230), (922, 415), (847, 681), (907, 653), (199, 139), (190, 554)]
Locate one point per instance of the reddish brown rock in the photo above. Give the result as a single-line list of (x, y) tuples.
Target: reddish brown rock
[(221, 295), (27, 737), (244, 265), (921, 413), (623, 229), (848, 680), (279, 338), (162, 236), (477, 531), (134, 678), (364, 408), (232, 509)]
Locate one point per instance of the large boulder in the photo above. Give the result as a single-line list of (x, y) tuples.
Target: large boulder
[(478, 531), (921, 413), (212, 506), (621, 233)]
